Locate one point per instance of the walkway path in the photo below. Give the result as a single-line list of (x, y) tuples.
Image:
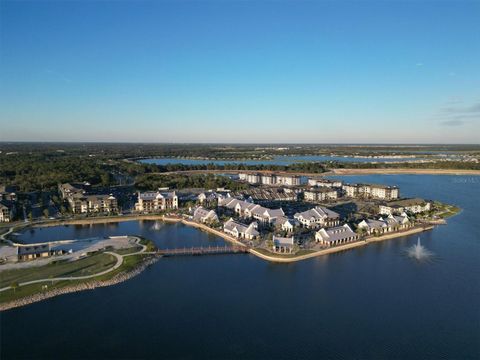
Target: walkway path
[(70, 278)]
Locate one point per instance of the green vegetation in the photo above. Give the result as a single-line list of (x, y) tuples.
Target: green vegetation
[(129, 264), (86, 266), (41, 166), (444, 211)]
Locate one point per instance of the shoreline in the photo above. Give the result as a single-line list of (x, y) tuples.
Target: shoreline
[(340, 248), (338, 172), (89, 285), (124, 276), (403, 171), (235, 241)]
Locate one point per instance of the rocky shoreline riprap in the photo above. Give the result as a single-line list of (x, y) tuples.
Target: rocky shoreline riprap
[(90, 285)]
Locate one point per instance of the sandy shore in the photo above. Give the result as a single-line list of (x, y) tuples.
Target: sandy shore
[(403, 171)]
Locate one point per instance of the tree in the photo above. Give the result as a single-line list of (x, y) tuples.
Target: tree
[(45, 213), (14, 285)]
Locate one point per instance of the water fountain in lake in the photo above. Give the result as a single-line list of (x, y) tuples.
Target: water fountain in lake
[(157, 225), (419, 252)]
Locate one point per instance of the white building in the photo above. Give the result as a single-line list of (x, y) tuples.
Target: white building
[(205, 216), (389, 224), (6, 213), (284, 245), (239, 230), (152, 201), (323, 193), (270, 179), (250, 210), (374, 191), (413, 206), (325, 182), (336, 235), (286, 224), (318, 216)]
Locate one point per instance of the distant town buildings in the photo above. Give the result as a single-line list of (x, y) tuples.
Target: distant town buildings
[(153, 201), (413, 206), (318, 216), (336, 235), (373, 191), (270, 179)]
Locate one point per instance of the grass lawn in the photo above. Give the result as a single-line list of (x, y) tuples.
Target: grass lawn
[(87, 266), (126, 251), (129, 263), (445, 210)]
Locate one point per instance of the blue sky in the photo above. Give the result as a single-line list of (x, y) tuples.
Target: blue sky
[(240, 71)]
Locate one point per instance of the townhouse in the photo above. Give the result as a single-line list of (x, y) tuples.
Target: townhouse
[(318, 216), (205, 216), (286, 224), (336, 235), (248, 209), (81, 204), (241, 231), (389, 224)]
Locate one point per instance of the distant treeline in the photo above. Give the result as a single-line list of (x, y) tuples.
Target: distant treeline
[(42, 167), (224, 151)]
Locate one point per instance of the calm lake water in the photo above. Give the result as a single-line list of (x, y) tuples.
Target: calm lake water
[(278, 160), (371, 302)]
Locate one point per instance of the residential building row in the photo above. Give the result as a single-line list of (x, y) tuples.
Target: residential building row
[(250, 210), (385, 225), (270, 179)]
